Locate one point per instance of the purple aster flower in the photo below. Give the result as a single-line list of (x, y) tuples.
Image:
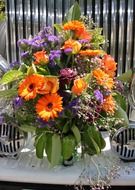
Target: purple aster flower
[(37, 42), (67, 75), (24, 54), (36, 45), (72, 105), (17, 102), (14, 64), (43, 123), (53, 38), (45, 32), (36, 38), (24, 43), (54, 54), (98, 95), (83, 41), (68, 51)]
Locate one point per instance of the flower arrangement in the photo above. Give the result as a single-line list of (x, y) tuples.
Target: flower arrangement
[(65, 89)]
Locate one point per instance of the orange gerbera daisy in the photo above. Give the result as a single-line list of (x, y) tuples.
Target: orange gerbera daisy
[(74, 25), (73, 44), (51, 85), (109, 65), (30, 86), (79, 86), (109, 105), (91, 52), (41, 57), (49, 106), (103, 79), (79, 29), (83, 34)]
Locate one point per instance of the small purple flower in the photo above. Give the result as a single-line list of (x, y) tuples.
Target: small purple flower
[(53, 38), (37, 42), (67, 75), (72, 105), (43, 123), (83, 41), (24, 54), (36, 45), (24, 43), (14, 64), (36, 38), (45, 32), (98, 95), (68, 51), (17, 102), (54, 54)]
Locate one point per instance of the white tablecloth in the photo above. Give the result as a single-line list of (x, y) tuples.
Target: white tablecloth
[(29, 169)]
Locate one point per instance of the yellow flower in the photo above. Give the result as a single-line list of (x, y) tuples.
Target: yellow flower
[(79, 86), (73, 44)]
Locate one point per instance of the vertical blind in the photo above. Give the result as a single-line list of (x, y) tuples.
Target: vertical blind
[(116, 17)]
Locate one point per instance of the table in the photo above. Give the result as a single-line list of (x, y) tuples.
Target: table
[(30, 170)]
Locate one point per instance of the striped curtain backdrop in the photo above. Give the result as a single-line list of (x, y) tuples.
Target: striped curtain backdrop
[(116, 17)]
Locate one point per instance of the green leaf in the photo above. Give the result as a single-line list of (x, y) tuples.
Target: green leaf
[(87, 78), (58, 27), (41, 130), (93, 141), (97, 137), (10, 76), (66, 127), (121, 101), (76, 133), (53, 149), (90, 146), (23, 68), (9, 93), (74, 13), (40, 145), (27, 128), (31, 70), (68, 147), (121, 114), (126, 77)]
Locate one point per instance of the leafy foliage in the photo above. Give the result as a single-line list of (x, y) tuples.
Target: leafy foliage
[(11, 76), (74, 13), (93, 141)]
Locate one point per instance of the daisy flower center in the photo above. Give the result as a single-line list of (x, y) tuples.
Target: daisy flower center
[(31, 87), (49, 105)]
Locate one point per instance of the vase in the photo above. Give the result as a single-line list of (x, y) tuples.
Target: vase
[(12, 140), (69, 162)]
